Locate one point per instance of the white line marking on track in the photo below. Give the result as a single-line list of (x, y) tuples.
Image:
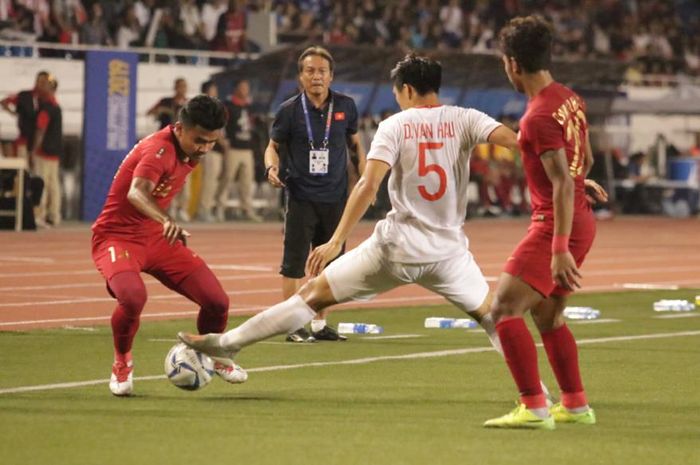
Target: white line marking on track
[(266, 269), (650, 286), (357, 361), (80, 328), (6, 258)]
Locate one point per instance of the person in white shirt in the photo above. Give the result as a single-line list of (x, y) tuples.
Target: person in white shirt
[(427, 147)]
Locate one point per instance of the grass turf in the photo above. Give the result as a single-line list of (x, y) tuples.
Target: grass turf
[(399, 411)]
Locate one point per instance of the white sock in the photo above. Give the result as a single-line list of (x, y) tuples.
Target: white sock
[(317, 325), (282, 318), (490, 328)]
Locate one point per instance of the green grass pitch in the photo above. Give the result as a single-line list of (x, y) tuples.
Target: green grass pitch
[(424, 408)]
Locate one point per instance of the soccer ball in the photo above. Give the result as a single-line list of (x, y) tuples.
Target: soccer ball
[(188, 369)]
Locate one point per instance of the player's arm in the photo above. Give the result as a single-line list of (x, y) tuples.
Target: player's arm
[(594, 191), (564, 269), (504, 136), (360, 199), (357, 152), (8, 103), (140, 197), (272, 163)]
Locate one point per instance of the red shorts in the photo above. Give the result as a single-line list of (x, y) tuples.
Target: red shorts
[(154, 256), (531, 260)]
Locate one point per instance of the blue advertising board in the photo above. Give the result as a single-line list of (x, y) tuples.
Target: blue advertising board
[(109, 125)]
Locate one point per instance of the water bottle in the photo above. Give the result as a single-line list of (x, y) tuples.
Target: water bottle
[(697, 300), (581, 313), (673, 305), (359, 328), (447, 323)]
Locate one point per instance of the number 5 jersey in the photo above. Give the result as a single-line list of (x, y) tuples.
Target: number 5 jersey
[(428, 149)]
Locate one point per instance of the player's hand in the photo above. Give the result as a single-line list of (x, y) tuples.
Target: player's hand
[(273, 178), (320, 256), (183, 237), (172, 231), (595, 192), (565, 272)]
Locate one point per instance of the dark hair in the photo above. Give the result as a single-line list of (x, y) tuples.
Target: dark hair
[(422, 73), (528, 40), (204, 111), (43, 74), (206, 85), (315, 51)]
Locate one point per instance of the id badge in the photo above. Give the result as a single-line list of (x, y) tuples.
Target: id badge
[(318, 162)]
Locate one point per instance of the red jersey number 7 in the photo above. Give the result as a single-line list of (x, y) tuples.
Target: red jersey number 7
[(424, 169)]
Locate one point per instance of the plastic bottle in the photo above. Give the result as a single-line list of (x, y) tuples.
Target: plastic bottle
[(359, 328), (673, 305), (581, 313), (447, 323)]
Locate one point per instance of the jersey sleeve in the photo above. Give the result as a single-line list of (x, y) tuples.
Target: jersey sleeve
[(281, 125), (385, 144), (152, 165), (544, 133), (479, 126), (352, 119)]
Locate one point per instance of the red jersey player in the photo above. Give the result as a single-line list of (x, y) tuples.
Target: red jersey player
[(543, 269), (134, 234)]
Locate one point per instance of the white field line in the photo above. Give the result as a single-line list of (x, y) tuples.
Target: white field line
[(395, 336), (357, 361), (677, 315), (593, 322)]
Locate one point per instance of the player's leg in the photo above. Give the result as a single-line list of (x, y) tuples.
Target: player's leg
[(560, 345), (120, 264), (356, 275), (512, 300), (328, 215), (300, 222)]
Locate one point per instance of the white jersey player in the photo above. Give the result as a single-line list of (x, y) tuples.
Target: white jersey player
[(427, 147)]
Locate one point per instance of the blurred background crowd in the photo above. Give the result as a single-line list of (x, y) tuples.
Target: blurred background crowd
[(654, 36)]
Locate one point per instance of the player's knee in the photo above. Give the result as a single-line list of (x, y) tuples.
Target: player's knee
[(134, 299), (502, 307), (218, 303), (317, 294)]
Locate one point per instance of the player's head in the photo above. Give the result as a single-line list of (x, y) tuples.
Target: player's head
[(315, 66), (526, 43), (415, 77), (180, 87), (41, 80), (199, 125), (209, 88), (242, 89)]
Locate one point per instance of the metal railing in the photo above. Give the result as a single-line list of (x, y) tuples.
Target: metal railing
[(146, 54)]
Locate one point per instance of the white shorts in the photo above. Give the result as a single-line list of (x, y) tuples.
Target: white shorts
[(364, 272)]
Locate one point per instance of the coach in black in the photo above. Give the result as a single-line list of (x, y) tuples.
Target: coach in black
[(315, 127)]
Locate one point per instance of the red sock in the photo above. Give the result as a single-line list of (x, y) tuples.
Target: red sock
[(563, 357), (203, 288), (521, 356), (130, 292)]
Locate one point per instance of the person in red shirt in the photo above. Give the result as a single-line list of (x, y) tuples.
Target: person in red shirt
[(133, 233), (544, 268)]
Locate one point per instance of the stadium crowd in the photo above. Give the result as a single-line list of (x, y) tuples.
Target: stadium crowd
[(656, 36)]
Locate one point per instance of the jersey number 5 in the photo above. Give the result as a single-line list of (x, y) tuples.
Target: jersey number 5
[(424, 169)]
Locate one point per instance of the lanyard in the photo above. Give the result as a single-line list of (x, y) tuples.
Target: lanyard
[(308, 122)]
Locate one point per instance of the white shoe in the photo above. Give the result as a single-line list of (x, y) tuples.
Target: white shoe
[(209, 344), (121, 382), (233, 374)]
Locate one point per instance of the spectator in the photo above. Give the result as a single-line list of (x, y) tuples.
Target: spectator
[(46, 155), (230, 31), (143, 9), (25, 105), (94, 30), (211, 12), (239, 164), (211, 168), (129, 31)]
